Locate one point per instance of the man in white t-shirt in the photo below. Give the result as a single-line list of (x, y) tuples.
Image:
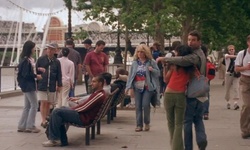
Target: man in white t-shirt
[(242, 65), (230, 79)]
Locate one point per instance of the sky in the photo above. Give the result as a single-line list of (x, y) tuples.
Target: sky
[(11, 12)]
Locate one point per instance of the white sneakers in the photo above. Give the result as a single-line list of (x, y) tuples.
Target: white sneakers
[(51, 143)]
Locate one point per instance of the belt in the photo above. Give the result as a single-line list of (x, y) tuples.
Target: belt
[(245, 76)]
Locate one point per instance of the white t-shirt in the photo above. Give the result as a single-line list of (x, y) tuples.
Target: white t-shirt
[(238, 61)]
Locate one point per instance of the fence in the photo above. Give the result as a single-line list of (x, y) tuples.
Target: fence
[(8, 76)]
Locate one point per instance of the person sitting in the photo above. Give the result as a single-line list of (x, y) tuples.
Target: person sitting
[(73, 101), (82, 114)]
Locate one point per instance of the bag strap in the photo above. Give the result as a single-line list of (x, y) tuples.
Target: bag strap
[(244, 54)]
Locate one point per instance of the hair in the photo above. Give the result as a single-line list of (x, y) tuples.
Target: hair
[(69, 42), (100, 79), (175, 44), (184, 50), (100, 42), (107, 77), (195, 33), (65, 52), (143, 43), (248, 38), (157, 45), (121, 71), (146, 51), (230, 46), (27, 49)]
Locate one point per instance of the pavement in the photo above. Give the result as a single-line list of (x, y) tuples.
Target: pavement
[(222, 128)]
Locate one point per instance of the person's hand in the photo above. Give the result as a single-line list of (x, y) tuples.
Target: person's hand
[(58, 88), (126, 91), (39, 77), (41, 69), (159, 59), (150, 68), (73, 99)]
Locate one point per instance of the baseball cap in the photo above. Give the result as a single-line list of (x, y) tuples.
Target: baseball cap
[(87, 41), (52, 45)]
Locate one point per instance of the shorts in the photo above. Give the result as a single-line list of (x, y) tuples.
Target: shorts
[(46, 95)]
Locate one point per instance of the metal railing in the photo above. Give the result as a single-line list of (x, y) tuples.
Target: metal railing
[(8, 76)]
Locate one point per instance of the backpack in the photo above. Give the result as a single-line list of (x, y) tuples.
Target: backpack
[(210, 70)]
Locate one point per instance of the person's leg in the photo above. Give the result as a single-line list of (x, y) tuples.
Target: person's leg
[(65, 93), (32, 98), (180, 107), (236, 93), (44, 109), (245, 111), (188, 123), (23, 119), (86, 78), (206, 105), (146, 98), (60, 116), (201, 137), (228, 84), (138, 108), (169, 107)]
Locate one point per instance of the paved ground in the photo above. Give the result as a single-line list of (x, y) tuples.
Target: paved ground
[(222, 129)]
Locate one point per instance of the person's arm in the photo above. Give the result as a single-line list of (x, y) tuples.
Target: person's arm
[(155, 70), (184, 61), (91, 102), (87, 64), (79, 65), (230, 56), (106, 63), (239, 67), (168, 74), (88, 70), (59, 76), (72, 74)]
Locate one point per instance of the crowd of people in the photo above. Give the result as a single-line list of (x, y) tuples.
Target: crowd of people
[(52, 78)]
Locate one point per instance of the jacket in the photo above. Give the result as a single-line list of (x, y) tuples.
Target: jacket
[(197, 58), (26, 76), (55, 74), (152, 77)]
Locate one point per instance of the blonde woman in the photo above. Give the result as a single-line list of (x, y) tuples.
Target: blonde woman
[(143, 79)]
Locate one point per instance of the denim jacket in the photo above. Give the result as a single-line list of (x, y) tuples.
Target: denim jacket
[(152, 83)]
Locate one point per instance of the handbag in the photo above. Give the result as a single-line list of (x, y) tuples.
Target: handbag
[(198, 86)]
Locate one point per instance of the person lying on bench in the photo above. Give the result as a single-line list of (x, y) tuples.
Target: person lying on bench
[(81, 115), (74, 101)]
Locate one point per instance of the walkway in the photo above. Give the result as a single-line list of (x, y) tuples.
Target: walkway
[(223, 129)]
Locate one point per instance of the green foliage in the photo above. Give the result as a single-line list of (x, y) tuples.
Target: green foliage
[(221, 22)]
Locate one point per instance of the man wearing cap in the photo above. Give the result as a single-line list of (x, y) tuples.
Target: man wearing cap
[(68, 78), (76, 58), (87, 44), (51, 80)]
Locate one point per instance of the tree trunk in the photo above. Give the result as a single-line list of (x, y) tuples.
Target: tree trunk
[(187, 26)]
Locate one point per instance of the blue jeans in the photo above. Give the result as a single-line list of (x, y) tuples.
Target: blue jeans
[(142, 105), (60, 116), (194, 114), (28, 117)]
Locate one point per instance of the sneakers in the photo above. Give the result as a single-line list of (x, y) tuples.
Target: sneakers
[(147, 127), (236, 106), (245, 135), (20, 130), (202, 145), (228, 106), (138, 129), (51, 143), (34, 130)]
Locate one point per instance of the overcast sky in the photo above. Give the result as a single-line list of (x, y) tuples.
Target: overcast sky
[(10, 12)]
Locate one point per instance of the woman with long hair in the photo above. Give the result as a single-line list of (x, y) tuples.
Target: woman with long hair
[(175, 99), (143, 79), (26, 78)]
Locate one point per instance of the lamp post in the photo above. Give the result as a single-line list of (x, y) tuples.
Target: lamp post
[(118, 57), (68, 4)]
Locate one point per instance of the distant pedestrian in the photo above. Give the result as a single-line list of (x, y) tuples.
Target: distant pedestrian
[(143, 79), (51, 81), (242, 65), (26, 78), (75, 57), (230, 79), (68, 78), (96, 62)]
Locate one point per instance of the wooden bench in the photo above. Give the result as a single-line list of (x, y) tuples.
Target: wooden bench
[(101, 113)]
